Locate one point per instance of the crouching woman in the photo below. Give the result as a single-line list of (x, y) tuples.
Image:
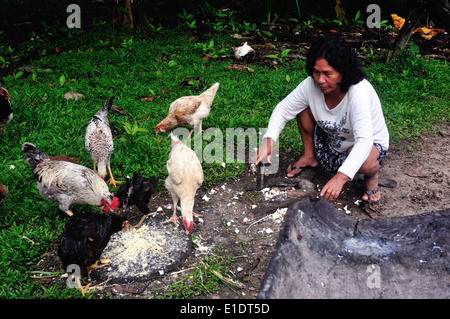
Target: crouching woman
[(339, 117)]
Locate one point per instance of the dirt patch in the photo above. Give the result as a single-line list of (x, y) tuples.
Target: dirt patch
[(247, 223)]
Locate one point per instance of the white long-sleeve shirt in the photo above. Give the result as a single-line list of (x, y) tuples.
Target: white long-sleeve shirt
[(356, 121)]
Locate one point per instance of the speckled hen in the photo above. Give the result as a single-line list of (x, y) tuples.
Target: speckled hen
[(68, 183), (99, 141)]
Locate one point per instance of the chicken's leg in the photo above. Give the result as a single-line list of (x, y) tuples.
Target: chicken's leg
[(199, 128), (94, 166), (96, 266), (83, 290), (111, 178), (173, 219), (69, 212), (196, 130), (142, 220)]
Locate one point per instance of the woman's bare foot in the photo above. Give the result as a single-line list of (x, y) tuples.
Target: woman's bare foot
[(303, 162), (371, 186)]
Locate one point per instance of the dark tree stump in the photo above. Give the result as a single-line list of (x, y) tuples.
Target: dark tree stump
[(322, 253)]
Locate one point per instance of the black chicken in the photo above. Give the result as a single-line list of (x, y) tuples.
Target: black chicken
[(6, 113), (84, 237), (3, 193), (137, 191)]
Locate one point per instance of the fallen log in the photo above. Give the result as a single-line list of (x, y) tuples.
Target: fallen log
[(323, 253)]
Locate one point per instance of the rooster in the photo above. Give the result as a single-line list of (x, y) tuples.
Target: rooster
[(84, 238), (99, 142), (190, 110), (68, 183), (6, 113), (185, 177)]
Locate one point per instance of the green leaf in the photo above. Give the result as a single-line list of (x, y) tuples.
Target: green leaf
[(140, 129), (127, 127), (285, 53), (62, 80)]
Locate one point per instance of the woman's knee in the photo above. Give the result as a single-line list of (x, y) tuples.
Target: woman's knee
[(305, 120), (371, 164)]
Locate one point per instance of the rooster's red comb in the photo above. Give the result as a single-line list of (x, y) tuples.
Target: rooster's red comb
[(114, 203)]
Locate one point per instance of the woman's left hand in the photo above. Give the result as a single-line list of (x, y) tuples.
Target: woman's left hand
[(333, 188)]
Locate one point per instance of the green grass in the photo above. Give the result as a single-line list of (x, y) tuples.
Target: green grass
[(104, 62), (203, 278)]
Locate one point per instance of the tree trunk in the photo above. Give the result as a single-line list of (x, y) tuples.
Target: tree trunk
[(405, 33)]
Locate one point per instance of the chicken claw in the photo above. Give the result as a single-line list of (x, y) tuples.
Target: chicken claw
[(113, 182), (172, 219), (96, 266), (80, 287), (111, 179)]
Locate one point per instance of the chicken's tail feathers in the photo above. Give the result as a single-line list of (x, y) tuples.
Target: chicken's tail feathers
[(33, 155), (211, 92), (213, 89), (108, 103), (173, 137)]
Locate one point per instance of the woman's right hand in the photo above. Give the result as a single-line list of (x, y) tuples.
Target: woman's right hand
[(265, 150)]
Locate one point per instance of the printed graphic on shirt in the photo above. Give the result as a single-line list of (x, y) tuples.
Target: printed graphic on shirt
[(335, 131)]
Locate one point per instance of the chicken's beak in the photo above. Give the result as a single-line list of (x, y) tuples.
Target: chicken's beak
[(187, 226)]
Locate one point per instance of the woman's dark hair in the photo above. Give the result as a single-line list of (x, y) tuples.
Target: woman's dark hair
[(340, 56)]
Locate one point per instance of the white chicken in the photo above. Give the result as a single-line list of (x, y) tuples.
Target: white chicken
[(68, 183), (185, 177), (99, 141), (190, 110)]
